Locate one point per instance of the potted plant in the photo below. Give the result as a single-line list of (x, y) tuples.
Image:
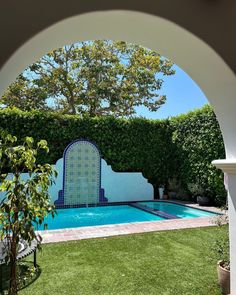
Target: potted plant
[(173, 188), (165, 193), (223, 271), (161, 191), (26, 202), (198, 192), (221, 249)]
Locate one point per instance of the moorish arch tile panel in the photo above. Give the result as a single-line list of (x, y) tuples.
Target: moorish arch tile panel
[(81, 175)]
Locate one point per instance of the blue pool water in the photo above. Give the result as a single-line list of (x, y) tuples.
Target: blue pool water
[(102, 215), (178, 210), (77, 217)]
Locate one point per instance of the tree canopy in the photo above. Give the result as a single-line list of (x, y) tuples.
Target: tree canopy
[(92, 78)]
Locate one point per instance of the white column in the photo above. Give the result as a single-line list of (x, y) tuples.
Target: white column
[(229, 167)]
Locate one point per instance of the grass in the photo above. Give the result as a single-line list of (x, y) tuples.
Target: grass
[(165, 263)]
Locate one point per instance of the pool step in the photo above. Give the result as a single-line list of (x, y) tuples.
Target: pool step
[(154, 211)]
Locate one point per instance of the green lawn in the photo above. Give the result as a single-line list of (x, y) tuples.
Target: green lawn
[(173, 262)]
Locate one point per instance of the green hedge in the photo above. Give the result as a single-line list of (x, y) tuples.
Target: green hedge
[(198, 142), (127, 145), (181, 147)]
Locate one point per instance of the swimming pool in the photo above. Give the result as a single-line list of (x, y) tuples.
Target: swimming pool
[(101, 215), (115, 214)]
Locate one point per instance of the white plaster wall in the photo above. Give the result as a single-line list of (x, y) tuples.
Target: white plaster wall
[(54, 189), (122, 186), (229, 167), (232, 229), (119, 187)]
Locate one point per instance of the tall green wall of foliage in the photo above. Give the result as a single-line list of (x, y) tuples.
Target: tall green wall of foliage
[(181, 147), (198, 141)]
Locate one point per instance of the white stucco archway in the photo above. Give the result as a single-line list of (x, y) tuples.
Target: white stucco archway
[(194, 56)]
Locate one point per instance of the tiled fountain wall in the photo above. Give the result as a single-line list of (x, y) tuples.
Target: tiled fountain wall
[(118, 186)]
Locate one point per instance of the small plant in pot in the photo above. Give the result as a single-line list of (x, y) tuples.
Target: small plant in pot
[(199, 194), (165, 193), (173, 188), (161, 190), (221, 250), (223, 265)]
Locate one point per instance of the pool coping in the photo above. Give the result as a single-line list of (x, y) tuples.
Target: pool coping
[(104, 231)]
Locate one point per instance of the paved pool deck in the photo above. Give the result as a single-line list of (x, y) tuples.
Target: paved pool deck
[(103, 231)]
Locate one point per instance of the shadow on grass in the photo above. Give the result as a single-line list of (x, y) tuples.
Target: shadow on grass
[(27, 275)]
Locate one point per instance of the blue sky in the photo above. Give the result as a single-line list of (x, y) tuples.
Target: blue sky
[(183, 95)]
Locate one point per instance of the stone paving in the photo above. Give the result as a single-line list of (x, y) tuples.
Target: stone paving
[(71, 234)]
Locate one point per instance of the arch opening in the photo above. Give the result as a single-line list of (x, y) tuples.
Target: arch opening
[(194, 56)]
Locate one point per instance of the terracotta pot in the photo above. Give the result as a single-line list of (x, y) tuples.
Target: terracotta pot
[(172, 194), (223, 278)]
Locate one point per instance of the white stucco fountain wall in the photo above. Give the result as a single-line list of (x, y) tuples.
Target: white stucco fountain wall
[(118, 186)]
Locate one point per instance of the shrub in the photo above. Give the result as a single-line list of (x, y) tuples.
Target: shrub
[(26, 203), (198, 141), (181, 147)]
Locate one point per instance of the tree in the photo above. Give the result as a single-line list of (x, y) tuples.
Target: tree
[(98, 78), (26, 202), (25, 95)]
